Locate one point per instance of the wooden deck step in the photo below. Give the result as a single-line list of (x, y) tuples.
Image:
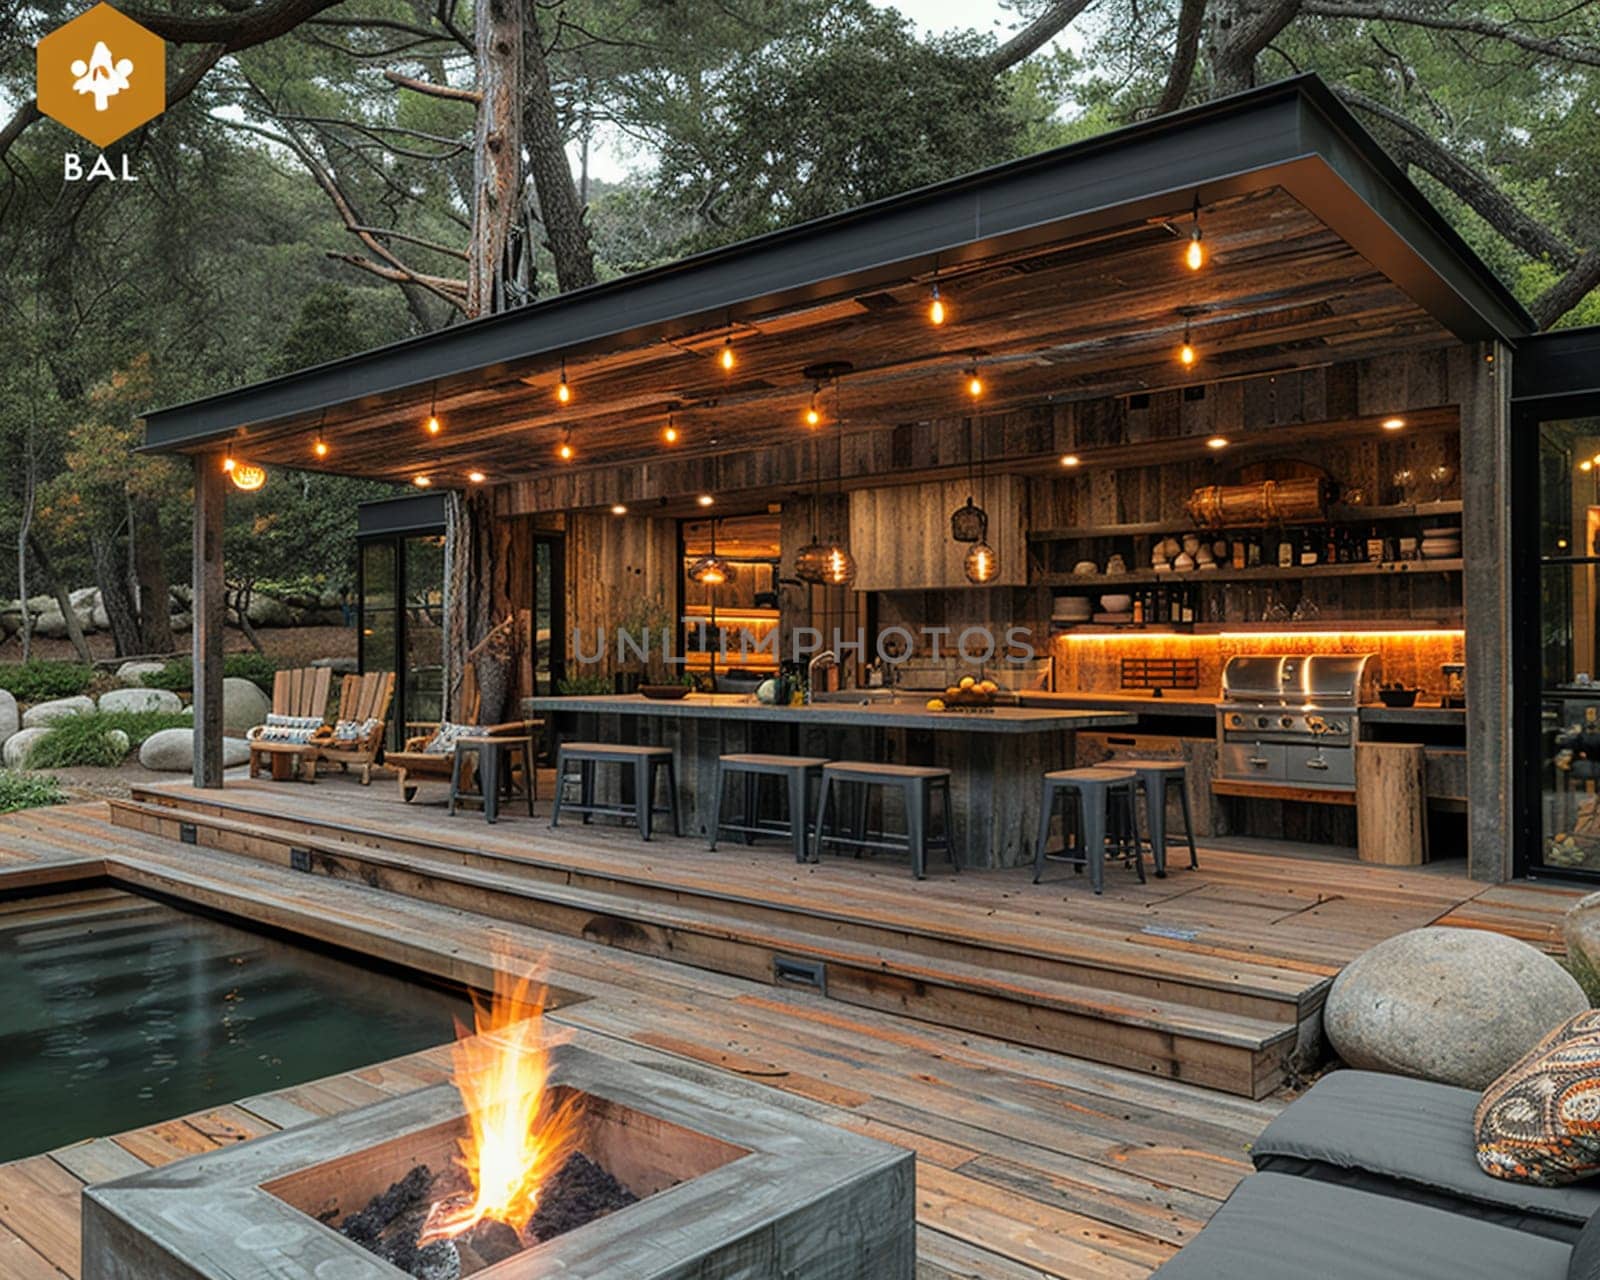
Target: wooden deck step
[(1221, 1050), (1114, 957)]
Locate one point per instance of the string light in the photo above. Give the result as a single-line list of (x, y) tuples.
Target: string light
[(727, 358), (1195, 254), (669, 433), (813, 413), (320, 448), (565, 452), (433, 426), (1186, 353), (563, 390), (974, 382)]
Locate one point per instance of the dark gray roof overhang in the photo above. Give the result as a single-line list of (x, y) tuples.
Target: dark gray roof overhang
[(1294, 134)]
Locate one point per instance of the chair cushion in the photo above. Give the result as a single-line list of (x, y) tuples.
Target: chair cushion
[(354, 730), (1540, 1121), (1413, 1140), (444, 738), (1279, 1228), (280, 728)]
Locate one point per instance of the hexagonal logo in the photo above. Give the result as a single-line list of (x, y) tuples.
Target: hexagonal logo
[(102, 75)]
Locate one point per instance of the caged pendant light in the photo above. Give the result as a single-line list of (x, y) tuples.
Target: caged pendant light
[(826, 563), (982, 562)]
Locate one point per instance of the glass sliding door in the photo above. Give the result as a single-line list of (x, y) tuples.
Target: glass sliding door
[(1563, 655), (549, 612), (422, 677)]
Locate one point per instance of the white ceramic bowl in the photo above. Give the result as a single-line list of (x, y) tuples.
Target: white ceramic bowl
[(1116, 603), (1085, 567)]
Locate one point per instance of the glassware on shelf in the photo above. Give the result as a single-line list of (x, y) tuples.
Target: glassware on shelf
[(1441, 476), (1402, 480), (1274, 610), (1306, 610)]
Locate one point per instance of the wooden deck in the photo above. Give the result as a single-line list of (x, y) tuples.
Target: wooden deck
[(1031, 1163)]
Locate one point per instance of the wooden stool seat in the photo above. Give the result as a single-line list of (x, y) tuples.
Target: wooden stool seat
[(797, 771), (1156, 777), (645, 763), (497, 757), (1105, 799), (918, 784)]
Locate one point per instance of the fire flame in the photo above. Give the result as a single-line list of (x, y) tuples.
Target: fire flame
[(516, 1138)]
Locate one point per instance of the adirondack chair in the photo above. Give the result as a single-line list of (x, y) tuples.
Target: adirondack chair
[(301, 693), (414, 764), (363, 700)]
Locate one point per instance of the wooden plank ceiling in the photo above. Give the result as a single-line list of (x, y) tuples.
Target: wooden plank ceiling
[(1061, 321)]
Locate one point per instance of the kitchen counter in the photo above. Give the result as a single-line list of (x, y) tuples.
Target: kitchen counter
[(1200, 707), (995, 758), (908, 713)]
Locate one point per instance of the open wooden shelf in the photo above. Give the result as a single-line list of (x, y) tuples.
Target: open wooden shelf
[(1260, 573), (1337, 514)]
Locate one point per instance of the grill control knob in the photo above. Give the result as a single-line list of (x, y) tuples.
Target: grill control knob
[(1261, 722), (1236, 719), (1336, 726), (1287, 722)]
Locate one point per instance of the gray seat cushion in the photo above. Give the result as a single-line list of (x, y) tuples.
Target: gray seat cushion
[(1412, 1139), (1280, 1228)]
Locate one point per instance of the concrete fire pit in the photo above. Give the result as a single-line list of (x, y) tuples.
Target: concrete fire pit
[(729, 1184)]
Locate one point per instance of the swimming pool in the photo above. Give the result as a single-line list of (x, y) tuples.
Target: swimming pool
[(117, 1012)]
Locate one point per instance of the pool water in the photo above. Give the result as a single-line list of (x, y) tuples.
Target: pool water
[(118, 1012)]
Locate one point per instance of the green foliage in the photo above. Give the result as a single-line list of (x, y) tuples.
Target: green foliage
[(27, 791), (179, 673), (86, 740), (579, 686), (40, 681)]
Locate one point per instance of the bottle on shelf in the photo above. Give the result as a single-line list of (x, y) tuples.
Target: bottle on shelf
[(1374, 546), (1286, 550), (1309, 549), (1187, 614), (1240, 556), (1138, 607)]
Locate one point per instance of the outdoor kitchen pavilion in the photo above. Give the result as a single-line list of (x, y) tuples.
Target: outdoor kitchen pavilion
[(1332, 302)]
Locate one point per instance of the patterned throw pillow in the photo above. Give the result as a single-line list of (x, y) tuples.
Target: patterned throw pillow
[(443, 741), (354, 730), (1540, 1121), (289, 728)]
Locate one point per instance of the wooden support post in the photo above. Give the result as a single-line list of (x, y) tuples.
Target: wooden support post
[(1391, 803), (1482, 388), (209, 603)]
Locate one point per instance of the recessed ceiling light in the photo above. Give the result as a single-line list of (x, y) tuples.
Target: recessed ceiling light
[(1393, 424), (617, 509), (1217, 442), (477, 477), (705, 499), (1069, 459), (422, 482)]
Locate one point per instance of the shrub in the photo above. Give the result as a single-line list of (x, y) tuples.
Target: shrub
[(574, 686), (179, 673), (39, 681), (85, 740), (27, 791)]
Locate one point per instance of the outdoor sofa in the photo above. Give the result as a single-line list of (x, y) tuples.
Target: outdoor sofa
[(1374, 1177)]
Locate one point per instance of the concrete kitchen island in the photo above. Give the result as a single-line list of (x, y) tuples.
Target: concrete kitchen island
[(995, 758)]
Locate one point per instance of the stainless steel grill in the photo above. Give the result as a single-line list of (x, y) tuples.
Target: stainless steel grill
[(1294, 719)]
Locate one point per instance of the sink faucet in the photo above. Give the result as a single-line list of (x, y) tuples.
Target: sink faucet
[(827, 655)]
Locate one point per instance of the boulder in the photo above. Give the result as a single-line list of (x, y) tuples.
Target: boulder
[(172, 751), (181, 594), (132, 674), (100, 619), (1458, 1006), (264, 611), (243, 705), (10, 717), (43, 713), (140, 700), (181, 622), (84, 597), (119, 740), (51, 624), (339, 666), (15, 752), (1581, 930)]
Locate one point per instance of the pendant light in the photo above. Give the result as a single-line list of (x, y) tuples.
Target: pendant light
[(565, 451), (712, 570), (433, 426), (813, 413), (839, 566), (319, 446), (969, 522), (1188, 355), (982, 562), (1194, 253), (974, 382), (563, 388), (669, 433), (246, 476), (811, 563), (937, 314)]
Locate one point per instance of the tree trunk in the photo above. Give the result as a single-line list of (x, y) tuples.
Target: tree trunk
[(63, 600), (1240, 30), (560, 205), (150, 567), (496, 151), (29, 491), (115, 596)]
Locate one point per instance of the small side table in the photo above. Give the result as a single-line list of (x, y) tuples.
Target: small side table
[(497, 757)]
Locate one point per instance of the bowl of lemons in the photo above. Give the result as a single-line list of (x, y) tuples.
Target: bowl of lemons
[(971, 694)]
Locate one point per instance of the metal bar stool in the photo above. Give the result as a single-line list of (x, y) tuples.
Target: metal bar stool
[(646, 764), (497, 758), (797, 773), (1156, 777), (1105, 803), (917, 785)]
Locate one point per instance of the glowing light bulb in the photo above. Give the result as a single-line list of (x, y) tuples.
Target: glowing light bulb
[(705, 499), (1586, 465), (477, 477), (422, 482), (812, 416), (1217, 442), (1393, 424), (320, 448), (669, 433), (617, 509), (247, 476), (1187, 354), (563, 391), (726, 357), (228, 464), (1195, 254), (1069, 459), (433, 425), (936, 309), (974, 385), (565, 452)]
